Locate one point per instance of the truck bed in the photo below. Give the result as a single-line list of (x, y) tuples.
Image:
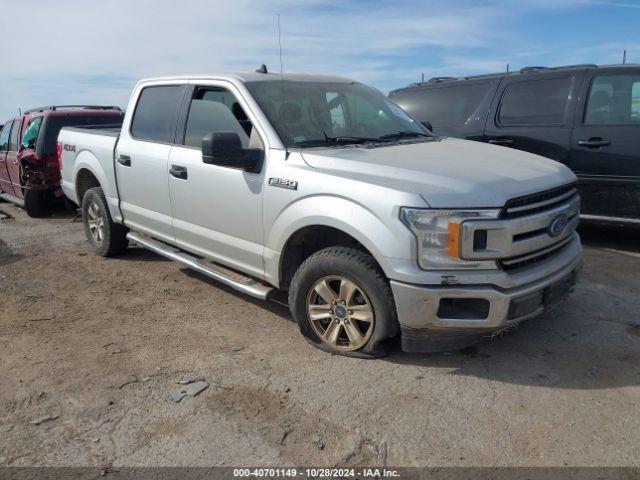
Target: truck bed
[(91, 149)]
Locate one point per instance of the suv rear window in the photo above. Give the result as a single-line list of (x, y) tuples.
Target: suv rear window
[(53, 124), (535, 102), (450, 106), (156, 113)]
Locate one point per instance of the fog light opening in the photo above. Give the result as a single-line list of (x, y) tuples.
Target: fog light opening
[(464, 308)]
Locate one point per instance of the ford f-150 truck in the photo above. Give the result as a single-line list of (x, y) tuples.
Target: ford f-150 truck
[(322, 187)]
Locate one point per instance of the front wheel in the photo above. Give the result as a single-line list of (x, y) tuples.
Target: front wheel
[(106, 237), (343, 304)]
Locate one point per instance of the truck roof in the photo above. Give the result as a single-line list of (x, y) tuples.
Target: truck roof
[(254, 77)]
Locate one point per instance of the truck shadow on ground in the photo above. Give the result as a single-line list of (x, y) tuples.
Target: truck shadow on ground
[(572, 348), (561, 350), (556, 351), (138, 254)]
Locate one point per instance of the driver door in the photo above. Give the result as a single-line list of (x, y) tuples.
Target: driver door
[(217, 210)]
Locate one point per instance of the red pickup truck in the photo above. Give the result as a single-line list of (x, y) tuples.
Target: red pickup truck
[(29, 170)]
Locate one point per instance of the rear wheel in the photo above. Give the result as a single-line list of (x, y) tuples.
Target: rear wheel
[(35, 202), (343, 303), (106, 237)]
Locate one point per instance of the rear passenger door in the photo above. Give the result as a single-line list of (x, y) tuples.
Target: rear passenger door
[(142, 157), (12, 160), (605, 149), (217, 210), (5, 181), (534, 113)]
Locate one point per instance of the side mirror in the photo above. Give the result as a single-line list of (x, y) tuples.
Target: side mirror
[(225, 149), (427, 125)]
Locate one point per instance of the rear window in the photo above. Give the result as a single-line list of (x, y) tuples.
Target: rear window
[(444, 106), (53, 124), (14, 139), (156, 113), (535, 102)]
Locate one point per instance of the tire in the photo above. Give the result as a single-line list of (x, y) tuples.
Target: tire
[(106, 237), (366, 295), (35, 203)]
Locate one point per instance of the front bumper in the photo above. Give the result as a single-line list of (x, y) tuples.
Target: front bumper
[(437, 318)]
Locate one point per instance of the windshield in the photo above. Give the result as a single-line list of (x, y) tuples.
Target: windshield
[(308, 114)]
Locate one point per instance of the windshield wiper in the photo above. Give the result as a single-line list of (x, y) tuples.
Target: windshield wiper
[(353, 139), (405, 134), (341, 140)]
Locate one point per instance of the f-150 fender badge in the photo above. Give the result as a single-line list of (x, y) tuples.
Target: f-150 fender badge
[(283, 183)]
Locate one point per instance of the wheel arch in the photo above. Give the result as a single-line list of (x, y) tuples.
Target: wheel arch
[(308, 226)]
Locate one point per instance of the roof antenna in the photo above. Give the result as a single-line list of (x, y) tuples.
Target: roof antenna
[(283, 107), (262, 69), (507, 68), (422, 81), (19, 112), (280, 47), (624, 57)]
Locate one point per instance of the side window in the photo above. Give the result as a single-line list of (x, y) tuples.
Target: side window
[(4, 137), (218, 110), (450, 106), (613, 100), (15, 135), (535, 102), (156, 113)]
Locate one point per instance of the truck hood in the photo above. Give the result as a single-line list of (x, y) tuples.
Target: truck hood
[(448, 173)]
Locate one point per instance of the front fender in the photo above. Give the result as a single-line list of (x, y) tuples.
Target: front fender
[(383, 235)]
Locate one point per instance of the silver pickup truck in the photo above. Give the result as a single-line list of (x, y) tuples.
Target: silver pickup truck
[(322, 187)]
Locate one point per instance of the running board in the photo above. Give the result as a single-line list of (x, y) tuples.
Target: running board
[(229, 277), (12, 199)]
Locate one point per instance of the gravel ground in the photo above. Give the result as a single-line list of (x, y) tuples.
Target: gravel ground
[(101, 344)]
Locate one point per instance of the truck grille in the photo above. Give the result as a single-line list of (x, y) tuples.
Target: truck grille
[(538, 202), (532, 258), (531, 229)]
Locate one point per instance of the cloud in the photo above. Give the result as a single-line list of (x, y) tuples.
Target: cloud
[(76, 51)]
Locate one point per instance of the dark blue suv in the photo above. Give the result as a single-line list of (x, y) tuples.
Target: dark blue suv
[(585, 116)]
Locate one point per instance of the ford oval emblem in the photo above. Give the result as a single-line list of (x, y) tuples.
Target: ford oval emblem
[(558, 225)]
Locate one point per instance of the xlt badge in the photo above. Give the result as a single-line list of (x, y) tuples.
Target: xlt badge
[(283, 183)]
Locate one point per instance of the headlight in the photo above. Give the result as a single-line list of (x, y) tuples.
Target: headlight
[(438, 235)]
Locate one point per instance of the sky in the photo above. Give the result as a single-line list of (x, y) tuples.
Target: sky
[(86, 51)]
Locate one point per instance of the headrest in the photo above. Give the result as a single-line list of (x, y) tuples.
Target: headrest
[(290, 112), (599, 100)]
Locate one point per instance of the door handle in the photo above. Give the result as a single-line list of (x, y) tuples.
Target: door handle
[(501, 141), (595, 142), (178, 171), (124, 160)]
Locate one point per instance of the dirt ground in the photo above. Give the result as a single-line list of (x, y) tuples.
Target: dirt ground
[(100, 343)]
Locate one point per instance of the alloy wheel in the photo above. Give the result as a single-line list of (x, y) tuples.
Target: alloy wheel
[(95, 221), (340, 313)]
